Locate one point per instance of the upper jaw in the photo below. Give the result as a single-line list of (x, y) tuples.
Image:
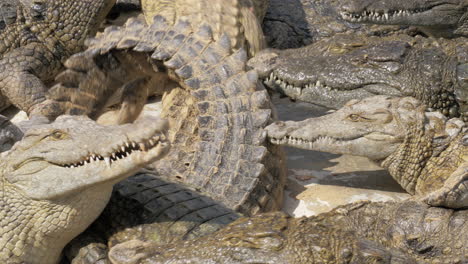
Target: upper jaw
[(375, 146), (417, 15), (122, 151)]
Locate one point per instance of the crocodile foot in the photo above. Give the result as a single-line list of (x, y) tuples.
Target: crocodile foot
[(454, 193)]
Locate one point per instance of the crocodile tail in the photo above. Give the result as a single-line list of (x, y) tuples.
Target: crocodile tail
[(217, 113), (253, 31), (164, 8)]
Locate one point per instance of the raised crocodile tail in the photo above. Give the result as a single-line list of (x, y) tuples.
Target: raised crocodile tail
[(217, 116), (239, 19), (253, 31)]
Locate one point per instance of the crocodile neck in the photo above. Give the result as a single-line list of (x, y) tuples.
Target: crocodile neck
[(407, 162), (39, 228), (444, 162)]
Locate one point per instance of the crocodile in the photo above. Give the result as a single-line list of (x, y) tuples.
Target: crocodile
[(444, 18), (9, 134), (424, 152), (344, 67), (297, 23), (59, 178), (363, 232), (240, 19), (146, 208), (36, 38), (217, 110)]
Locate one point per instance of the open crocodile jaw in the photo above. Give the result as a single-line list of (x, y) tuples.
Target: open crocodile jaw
[(426, 14), (38, 174), (320, 93), (127, 159)]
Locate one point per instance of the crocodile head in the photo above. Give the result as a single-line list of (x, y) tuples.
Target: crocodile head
[(442, 17), (335, 71), (373, 127), (59, 178), (396, 133)]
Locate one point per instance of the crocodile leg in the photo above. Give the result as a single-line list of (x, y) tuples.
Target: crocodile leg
[(454, 192), (18, 77)]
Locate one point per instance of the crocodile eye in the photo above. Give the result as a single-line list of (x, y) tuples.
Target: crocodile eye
[(354, 117), (57, 135), (359, 118)]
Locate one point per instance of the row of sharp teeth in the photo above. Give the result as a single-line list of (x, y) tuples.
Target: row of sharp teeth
[(291, 140), (288, 140), (379, 16), (119, 153), (286, 86)]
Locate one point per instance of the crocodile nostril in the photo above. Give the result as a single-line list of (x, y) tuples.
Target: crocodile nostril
[(279, 123)]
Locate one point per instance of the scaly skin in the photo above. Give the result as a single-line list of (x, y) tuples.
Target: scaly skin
[(345, 67), (296, 23), (216, 109), (365, 232), (35, 38), (59, 177), (217, 113), (239, 19), (9, 134), (439, 18), (146, 208), (424, 152)]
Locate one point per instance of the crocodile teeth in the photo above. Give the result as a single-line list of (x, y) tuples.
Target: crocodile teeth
[(107, 160), (143, 146), (119, 152), (380, 16)]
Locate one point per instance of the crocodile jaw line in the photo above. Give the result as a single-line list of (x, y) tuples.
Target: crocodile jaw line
[(137, 152), (351, 146), (390, 16)]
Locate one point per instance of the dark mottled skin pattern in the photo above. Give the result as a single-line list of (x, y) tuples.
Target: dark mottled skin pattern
[(35, 38), (441, 18), (296, 23), (365, 232), (146, 208), (344, 67)]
